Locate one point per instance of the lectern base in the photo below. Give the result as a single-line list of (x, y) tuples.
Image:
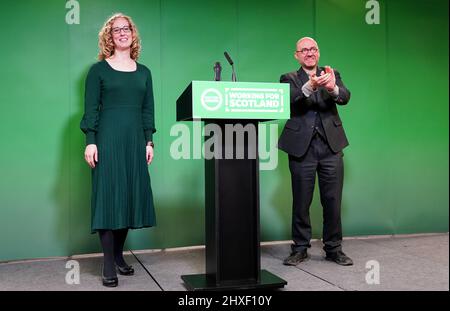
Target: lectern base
[(199, 282)]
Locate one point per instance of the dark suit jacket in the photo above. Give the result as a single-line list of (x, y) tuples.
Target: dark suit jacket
[(298, 131)]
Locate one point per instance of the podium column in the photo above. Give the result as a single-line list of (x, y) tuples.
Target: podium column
[(232, 215)]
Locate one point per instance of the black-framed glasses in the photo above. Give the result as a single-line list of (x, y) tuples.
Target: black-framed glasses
[(305, 51), (117, 30)]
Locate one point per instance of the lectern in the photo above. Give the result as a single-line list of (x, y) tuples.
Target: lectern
[(233, 110)]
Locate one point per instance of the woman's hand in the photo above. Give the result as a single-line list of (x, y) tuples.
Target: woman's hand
[(149, 154), (91, 155)]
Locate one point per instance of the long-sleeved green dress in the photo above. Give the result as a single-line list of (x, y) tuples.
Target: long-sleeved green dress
[(119, 119)]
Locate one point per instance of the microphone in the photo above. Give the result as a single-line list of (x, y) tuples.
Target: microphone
[(217, 71), (227, 56), (230, 61)]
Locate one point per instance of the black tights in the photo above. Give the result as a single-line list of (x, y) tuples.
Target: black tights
[(112, 243)]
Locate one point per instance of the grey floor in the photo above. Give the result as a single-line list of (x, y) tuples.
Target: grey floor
[(417, 262)]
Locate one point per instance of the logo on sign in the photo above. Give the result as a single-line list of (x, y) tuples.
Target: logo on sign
[(211, 99)]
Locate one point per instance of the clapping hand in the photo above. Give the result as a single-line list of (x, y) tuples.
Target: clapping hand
[(327, 79)]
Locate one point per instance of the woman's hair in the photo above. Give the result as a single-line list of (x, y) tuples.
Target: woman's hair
[(106, 43)]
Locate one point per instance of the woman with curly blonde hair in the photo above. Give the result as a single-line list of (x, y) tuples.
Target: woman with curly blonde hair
[(119, 124)]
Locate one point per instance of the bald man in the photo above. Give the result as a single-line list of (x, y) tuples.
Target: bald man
[(314, 139)]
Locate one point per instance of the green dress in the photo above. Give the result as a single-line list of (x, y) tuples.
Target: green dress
[(119, 119)]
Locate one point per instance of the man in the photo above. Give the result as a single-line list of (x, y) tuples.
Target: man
[(314, 138)]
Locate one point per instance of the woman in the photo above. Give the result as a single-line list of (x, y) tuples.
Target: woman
[(119, 125)]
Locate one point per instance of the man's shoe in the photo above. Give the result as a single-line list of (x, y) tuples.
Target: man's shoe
[(340, 258), (127, 270), (295, 258)]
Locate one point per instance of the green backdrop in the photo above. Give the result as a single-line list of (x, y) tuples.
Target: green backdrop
[(396, 167)]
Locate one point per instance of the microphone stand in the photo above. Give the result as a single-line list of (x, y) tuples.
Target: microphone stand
[(233, 74)]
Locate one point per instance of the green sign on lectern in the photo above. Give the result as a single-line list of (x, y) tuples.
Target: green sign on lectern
[(234, 100)]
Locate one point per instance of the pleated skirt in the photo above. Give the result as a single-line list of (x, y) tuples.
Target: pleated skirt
[(121, 188)]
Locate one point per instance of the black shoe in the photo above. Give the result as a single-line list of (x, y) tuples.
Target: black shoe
[(110, 281), (340, 258), (295, 258), (127, 270)]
